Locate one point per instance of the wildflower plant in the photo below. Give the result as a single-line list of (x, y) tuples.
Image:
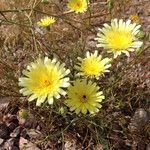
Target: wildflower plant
[(119, 37), (94, 93), (44, 80)]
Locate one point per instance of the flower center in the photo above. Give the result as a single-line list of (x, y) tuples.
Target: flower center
[(44, 80), (84, 99), (46, 83), (119, 39), (78, 4), (92, 67)]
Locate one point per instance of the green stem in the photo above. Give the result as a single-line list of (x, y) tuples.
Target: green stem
[(15, 10), (13, 22)]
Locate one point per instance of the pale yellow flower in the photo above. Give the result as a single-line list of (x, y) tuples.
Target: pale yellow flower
[(84, 96), (119, 37), (44, 80), (79, 6), (93, 65), (46, 21)]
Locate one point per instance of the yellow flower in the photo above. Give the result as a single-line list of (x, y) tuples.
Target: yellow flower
[(119, 37), (79, 6), (47, 21), (44, 79), (84, 96), (93, 65), (135, 18)]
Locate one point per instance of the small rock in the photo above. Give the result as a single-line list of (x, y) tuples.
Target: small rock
[(16, 132), (34, 134), (10, 143), (24, 134), (4, 102), (12, 126), (148, 147), (22, 121), (27, 145), (70, 142), (30, 123), (4, 131), (13, 119), (140, 119), (15, 148), (90, 41), (141, 146), (1, 141)]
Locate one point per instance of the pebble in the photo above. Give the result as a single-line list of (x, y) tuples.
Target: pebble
[(16, 132), (140, 119), (1, 141), (148, 147), (4, 131), (12, 126), (14, 148)]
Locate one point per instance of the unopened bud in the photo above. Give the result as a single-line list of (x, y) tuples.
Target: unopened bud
[(23, 114)]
